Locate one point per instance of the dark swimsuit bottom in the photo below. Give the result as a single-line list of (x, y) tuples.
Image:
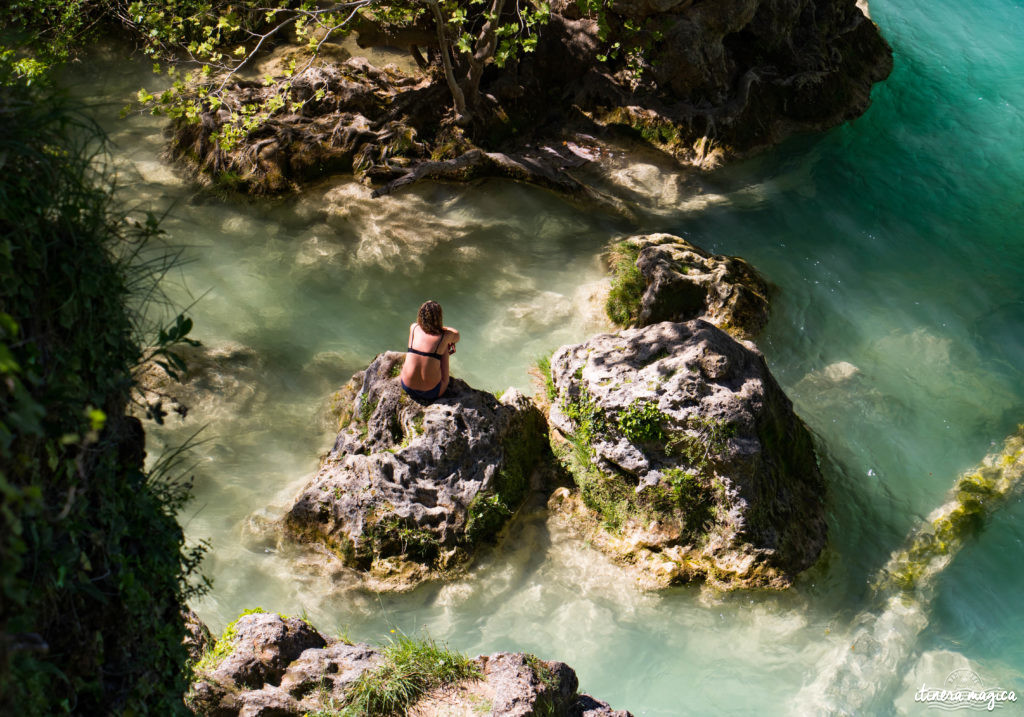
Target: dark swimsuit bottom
[(432, 393)]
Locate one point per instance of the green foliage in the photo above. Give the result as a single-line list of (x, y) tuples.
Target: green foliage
[(366, 407), (697, 496), (700, 441), (608, 496), (393, 535), (694, 492), (93, 565), (221, 38), (486, 514), (641, 421), (410, 668), (585, 414), (628, 286), (624, 41)]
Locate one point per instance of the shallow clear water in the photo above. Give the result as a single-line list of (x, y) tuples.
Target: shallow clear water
[(897, 249)]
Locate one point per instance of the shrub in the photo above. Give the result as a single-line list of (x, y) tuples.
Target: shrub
[(93, 567)]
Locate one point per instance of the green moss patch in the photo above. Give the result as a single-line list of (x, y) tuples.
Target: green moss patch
[(223, 645), (628, 285)]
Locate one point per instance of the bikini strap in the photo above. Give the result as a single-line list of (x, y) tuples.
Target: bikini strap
[(439, 341)]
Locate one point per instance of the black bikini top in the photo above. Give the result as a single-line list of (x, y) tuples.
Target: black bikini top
[(431, 354)]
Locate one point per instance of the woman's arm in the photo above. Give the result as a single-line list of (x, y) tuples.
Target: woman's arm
[(451, 337)]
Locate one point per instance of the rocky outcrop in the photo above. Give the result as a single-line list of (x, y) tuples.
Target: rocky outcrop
[(410, 490), (266, 664), (661, 277), (701, 80), (688, 458), (723, 79)]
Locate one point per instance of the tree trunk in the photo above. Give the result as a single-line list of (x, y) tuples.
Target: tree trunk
[(486, 44), (462, 118)]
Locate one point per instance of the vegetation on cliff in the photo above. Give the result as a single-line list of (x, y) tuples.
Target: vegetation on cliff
[(94, 566), (263, 97)]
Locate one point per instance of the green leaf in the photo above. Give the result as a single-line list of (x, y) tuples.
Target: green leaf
[(97, 418), (8, 364)]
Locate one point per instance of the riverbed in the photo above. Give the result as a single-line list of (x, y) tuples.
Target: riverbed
[(897, 249)]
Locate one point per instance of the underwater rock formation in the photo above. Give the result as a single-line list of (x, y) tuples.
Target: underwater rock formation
[(219, 382), (702, 81), (860, 672), (267, 664), (661, 277), (688, 458), (410, 490)]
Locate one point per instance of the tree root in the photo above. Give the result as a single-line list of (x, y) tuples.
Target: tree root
[(538, 171)]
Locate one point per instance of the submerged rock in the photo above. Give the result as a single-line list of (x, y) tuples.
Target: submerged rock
[(661, 277), (410, 490), (219, 382), (266, 664), (689, 460)]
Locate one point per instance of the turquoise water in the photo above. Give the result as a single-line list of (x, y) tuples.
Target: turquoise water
[(896, 245)]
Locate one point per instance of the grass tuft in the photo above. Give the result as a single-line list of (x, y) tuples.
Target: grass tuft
[(410, 668), (544, 369), (628, 286)]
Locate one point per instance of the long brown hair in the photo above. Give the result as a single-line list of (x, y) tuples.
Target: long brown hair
[(429, 318)]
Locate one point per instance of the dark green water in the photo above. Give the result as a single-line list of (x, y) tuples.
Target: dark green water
[(897, 246)]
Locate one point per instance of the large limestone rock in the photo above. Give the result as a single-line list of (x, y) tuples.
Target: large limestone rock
[(409, 490), (689, 460), (266, 664), (662, 277)]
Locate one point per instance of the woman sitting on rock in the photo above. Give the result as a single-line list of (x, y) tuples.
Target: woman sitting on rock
[(425, 373)]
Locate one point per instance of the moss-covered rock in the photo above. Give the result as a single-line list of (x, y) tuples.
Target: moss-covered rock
[(688, 460), (661, 277), (410, 490)]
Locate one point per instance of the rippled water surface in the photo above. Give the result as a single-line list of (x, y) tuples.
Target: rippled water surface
[(897, 249)]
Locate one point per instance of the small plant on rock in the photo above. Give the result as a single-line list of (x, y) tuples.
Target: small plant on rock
[(410, 668), (628, 286), (641, 420)]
